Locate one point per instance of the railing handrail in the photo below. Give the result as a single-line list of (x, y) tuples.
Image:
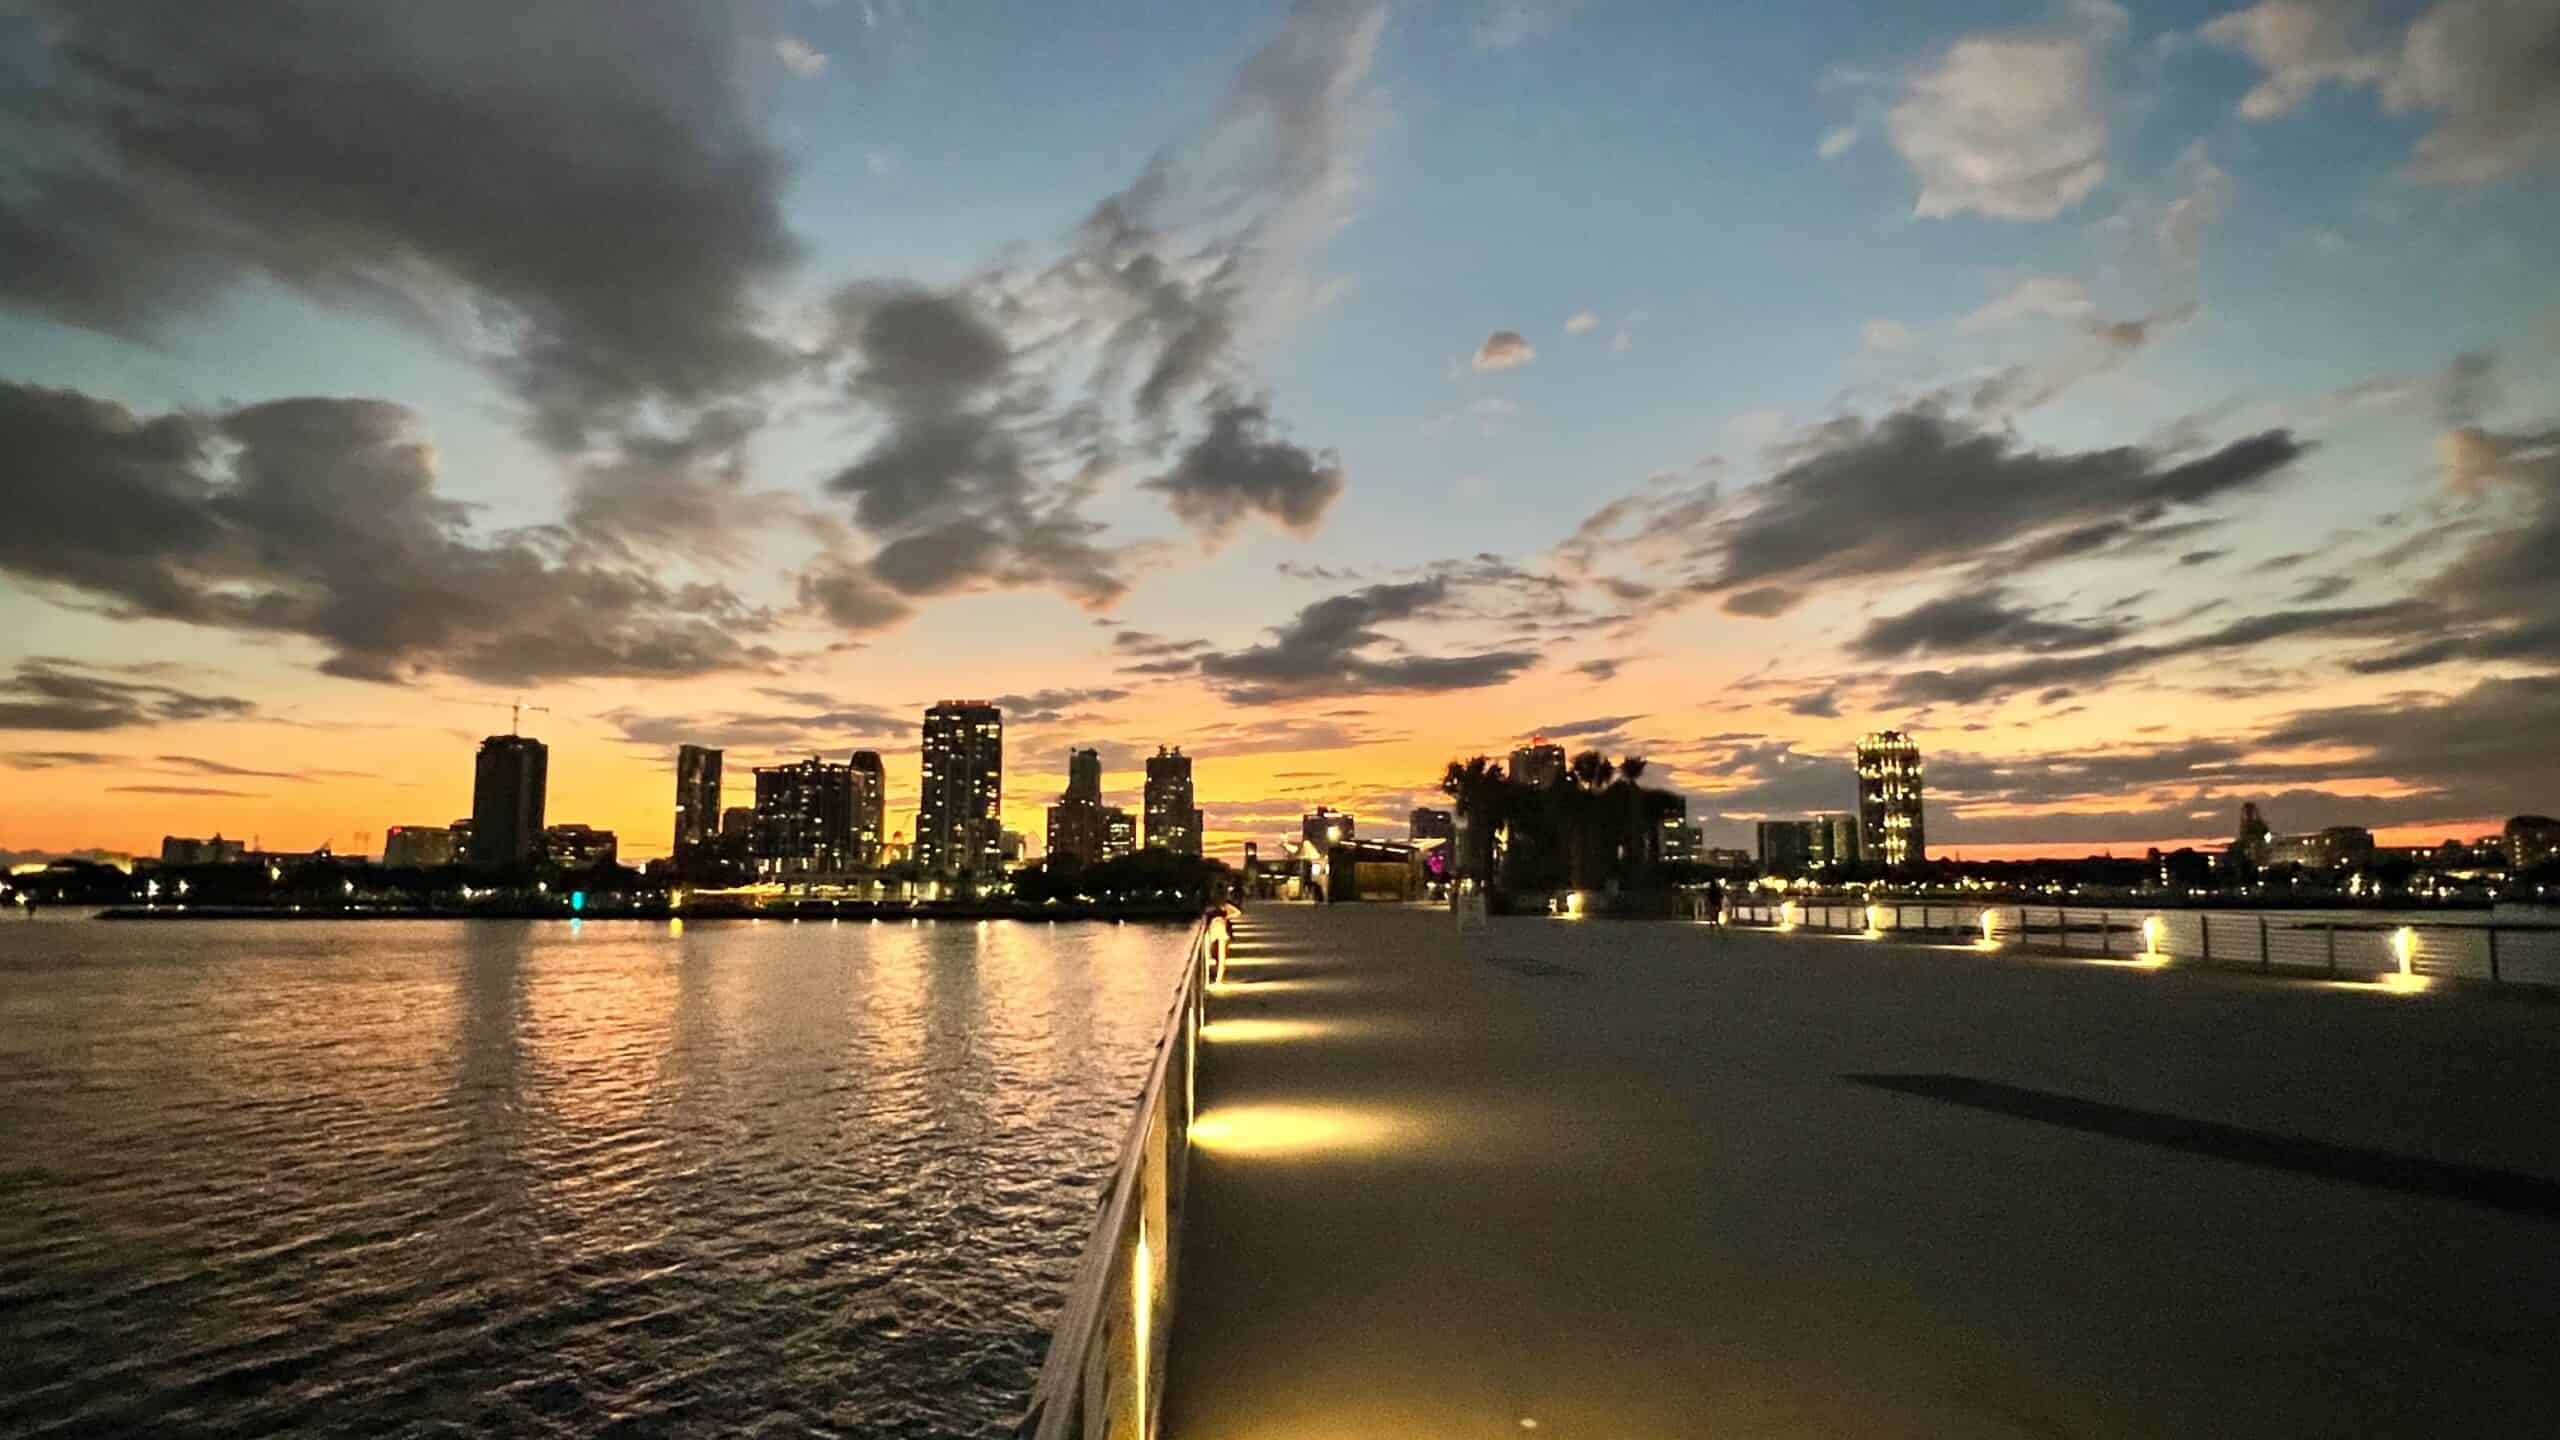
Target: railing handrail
[(1054, 1411)]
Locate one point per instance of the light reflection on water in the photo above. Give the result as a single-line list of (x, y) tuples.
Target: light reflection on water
[(391, 1177)]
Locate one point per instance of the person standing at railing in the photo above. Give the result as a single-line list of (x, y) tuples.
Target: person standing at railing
[(1218, 926)]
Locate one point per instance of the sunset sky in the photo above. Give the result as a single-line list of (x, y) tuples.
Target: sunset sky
[(2152, 410)]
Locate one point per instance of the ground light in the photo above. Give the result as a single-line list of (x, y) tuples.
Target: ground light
[(2154, 930), (1875, 921), (1990, 931), (2404, 948), (1788, 915)]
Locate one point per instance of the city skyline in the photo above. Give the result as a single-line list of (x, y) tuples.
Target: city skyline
[(1328, 391)]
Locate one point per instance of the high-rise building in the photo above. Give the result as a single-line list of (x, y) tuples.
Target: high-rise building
[(697, 802), (579, 847), (1079, 829), (870, 808), (804, 819), (1537, 764), (1173, 822), (1119, 833), (1786, 846), (1430, 824), (418, 847), (2255, 839), (1891, 824), (182, 850), (1832, 842), (1324, 825), (508, 789), (2335, 848), (960, 814), (1676, 840), (2528, 840)]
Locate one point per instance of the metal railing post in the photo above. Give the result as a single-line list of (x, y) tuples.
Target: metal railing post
[(2265, 961), (2106, 933), (2494, 977), (2332, 928)]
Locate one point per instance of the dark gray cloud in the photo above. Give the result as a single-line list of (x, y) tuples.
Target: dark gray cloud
[(1149, 646), (1994, 682), (1823, 704), (1335, 647), (320, 518), (681, 497), (191, 790), (577, 190), (2498, 597), (816, 728), (1604, 669), (1503, 350), (1574, 729), (1977, 620), (1237, 468), (54, 694), (1047, 707)]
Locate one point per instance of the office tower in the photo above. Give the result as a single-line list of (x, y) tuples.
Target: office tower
[(870, 808), (960, 813), (579, 847), (1119, 833), (1173, 822), (804, 819), (1833, 840), (1429, 824), (1537, 764), (1786, 846), (1675, 839), (2528, 841), (1324, 825), (1079, 829), (1891, 828), (697, 801), (418, 847), (508, 788)]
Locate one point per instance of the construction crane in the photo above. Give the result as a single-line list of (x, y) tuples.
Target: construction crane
[(515, 722)]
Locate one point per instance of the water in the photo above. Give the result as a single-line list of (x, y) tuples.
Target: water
[(439, 1178)]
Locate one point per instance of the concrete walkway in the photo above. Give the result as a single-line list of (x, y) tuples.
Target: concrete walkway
[(1615, 1179)]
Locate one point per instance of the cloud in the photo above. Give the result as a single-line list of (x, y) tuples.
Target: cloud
[(2008, 126), (1047, 707), (2035, 296), (800, 57), (1335, 647), (1823, 704), (1237, 468), (1504, 349), (1510, 23), (1976, 620), (1837, 141), (1885, 335), (2481, 68), (321, 518), (680, 496), (808, 731), (1575, 729), (56, 694), (1602, 669), (1580, 322), (576, 192), (2498, 597), (1978, 683), (187, 790), (2184, 222), (1867, 501)]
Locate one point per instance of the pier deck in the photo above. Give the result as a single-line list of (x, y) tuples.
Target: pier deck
[(1618, 1179)]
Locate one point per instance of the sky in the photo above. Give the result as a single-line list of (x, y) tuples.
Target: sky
[(2150, 411)]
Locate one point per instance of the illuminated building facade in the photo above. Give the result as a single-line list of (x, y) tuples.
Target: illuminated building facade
[(2334, 848), (1079, 827), (697, 802), (960, 813), (580, 847), (418, 847), (1831, 842), (1119, 833), (1429, 824), (870, 808), (1892, 828), (1786, 847), (803, 819), (509, 786), (2530, 840), (1324, 825), (1173, 821), (1537, 764)]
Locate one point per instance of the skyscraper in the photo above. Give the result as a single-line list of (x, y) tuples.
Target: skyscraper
[(697, 802), (804, 819), (1173, 822), (1891, 828), (1537, 764), (1834, 843), (1430, 824), (508, 788), (960, 814), (1785, 846), (1119, 833), (1079, 829), (870, 808)]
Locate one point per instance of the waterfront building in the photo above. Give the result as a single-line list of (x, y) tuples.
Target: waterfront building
[(1173, 821), (1891, 823), (1715, 859), (803, 819), (1831, 840), (1119, 833), (1078, 829), (2530, 840), (960, 814), (509, 786), (1677, 841), (1786, 847), (1431, 824), (2255, 836), (2334, 848), (1325, 825), (419, 847), (1537, 764), (182, 850), (1016, 847), (579, 847), (870, 808), (737, 822), (697, 802)]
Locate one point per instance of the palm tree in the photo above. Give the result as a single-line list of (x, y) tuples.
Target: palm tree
[(1478, 787)]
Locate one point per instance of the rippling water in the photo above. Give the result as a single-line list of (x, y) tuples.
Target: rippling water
[(441, 1178)]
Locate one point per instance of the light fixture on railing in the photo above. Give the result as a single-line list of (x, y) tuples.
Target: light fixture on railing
[(1788, 915), (1875, 921), (2154, 930), (1990, 930), (2404, 948)]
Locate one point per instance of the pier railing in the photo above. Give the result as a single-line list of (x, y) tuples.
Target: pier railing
[(1104, 1375), (2272, 942)]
